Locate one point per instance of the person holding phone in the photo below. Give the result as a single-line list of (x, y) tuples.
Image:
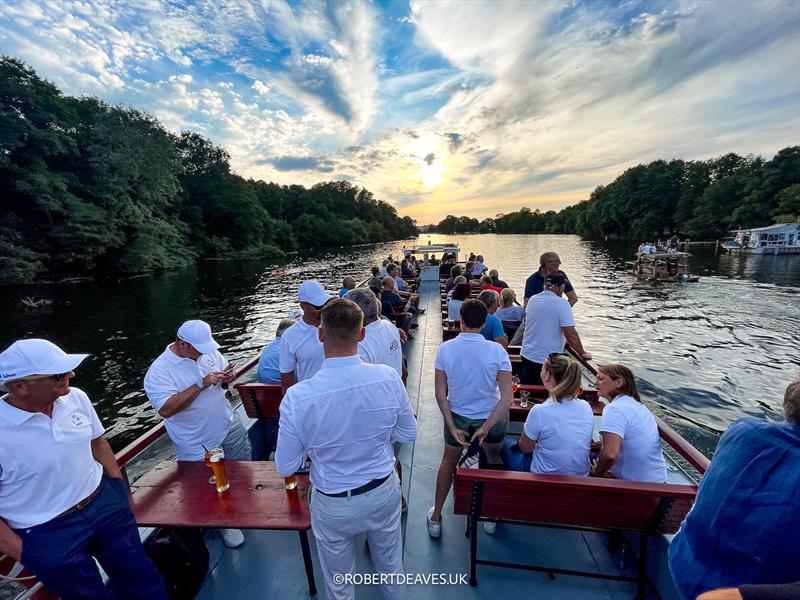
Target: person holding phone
[(184, 385), (473, 390)]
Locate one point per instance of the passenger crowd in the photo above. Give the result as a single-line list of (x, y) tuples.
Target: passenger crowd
[(345, 410)]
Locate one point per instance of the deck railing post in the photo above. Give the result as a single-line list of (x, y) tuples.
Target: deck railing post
[(474, 515)]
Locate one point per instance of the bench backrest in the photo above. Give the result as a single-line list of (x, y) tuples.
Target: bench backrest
[(592, 502), (260, 400)]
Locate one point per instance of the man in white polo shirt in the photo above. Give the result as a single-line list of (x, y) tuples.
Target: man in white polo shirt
[(548, 325), (184, 386), (473, 391), (301, 351), (345, 419), (63, 501), (381, 343)]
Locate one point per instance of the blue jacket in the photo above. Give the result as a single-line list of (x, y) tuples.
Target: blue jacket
[(745, 524)]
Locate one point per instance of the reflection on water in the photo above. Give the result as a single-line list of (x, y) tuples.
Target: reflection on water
[(705, 353)]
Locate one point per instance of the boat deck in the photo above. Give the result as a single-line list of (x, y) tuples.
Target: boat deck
[(270, 565)]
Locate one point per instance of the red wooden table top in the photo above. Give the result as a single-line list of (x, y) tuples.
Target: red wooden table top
[(177, 494)]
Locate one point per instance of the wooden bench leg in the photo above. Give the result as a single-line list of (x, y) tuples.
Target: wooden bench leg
[(641, 583), (475, 513), (312, 586)]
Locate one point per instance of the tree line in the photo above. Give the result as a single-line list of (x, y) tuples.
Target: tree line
[(696, 199), (91, 188)]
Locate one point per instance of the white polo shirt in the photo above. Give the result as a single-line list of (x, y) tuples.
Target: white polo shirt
[(211, 362), (381, 345), (205, 422), (641, 458), (545, 315), (471, 363), (344, 419), (563, 432), (301, 351), (46, 463)]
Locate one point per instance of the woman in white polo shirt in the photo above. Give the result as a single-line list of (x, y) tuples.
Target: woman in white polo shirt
[(631, 443), (558, 431), (473, 391)]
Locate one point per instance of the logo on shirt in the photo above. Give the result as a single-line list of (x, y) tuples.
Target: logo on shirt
[(78, 420), (394, 345)]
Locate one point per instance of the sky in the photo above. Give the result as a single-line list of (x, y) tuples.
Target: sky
[(467, 108)]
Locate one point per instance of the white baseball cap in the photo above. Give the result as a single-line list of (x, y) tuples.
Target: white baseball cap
[(198, 334), (312, 292), (36, 357)]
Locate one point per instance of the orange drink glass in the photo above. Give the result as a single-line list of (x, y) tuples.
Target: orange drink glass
[(290, 482), (218, 466)]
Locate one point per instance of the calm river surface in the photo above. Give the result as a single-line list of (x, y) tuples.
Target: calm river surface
[(705, 353)]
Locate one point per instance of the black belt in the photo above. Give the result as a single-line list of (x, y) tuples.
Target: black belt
[(82, 504), (359, 490)]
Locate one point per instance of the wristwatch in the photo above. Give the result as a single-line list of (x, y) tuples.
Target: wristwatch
[(201, 385)]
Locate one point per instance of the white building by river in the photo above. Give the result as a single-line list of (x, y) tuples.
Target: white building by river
[(782, 238)]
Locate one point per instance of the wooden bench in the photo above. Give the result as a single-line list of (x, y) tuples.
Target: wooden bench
[(260, 400), (583, 503)]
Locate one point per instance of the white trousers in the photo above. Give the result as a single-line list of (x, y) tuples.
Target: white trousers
[(339, 524)]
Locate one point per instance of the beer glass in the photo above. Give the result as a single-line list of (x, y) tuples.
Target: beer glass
[(514, 384), (218, 466), (290, 482), (207, 460)]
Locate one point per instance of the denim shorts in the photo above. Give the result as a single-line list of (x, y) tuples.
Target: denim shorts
[(495, 435)]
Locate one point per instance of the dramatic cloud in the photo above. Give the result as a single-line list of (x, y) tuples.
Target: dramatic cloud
[(438, 107)]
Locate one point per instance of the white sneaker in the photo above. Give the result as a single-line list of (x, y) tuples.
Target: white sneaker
[(434, 527), (489, 527), (232, 538)]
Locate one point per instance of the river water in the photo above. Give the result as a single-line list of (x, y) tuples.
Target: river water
[(705, 353)]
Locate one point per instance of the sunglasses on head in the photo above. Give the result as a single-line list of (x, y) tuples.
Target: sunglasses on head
[(58, 377)]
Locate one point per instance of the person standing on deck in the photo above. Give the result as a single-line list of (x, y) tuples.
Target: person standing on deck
[(744, 527), (63, 499), (301, 351), (345, 419), (549, 262), (548, 324), (184, 386), (473, 391)]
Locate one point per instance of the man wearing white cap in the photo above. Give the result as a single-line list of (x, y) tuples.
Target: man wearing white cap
[(301, 351), (63, 501), (184, 386)]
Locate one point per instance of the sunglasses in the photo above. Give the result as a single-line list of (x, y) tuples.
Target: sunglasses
[(59, 377)]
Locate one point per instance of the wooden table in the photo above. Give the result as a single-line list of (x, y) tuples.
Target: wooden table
[(177, 494)]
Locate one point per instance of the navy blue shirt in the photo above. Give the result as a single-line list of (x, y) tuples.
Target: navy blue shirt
[(535, 285), (745, 524)]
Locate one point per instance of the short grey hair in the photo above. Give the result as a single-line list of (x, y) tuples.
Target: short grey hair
[(366, 301), (488, 297), (283, 326), (791, 402)]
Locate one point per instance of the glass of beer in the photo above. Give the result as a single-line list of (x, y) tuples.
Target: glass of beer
[(207, 461), (514, 384), (290, 482), (218, 466)]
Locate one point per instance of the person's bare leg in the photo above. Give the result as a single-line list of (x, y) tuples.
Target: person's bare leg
[(444, 479)]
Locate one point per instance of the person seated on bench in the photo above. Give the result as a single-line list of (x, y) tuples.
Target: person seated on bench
[(460, 293), (486, 284), (631, 443), (264, 432), (473, 391), (348, 283), (508, 311), (375, 280), (493, 329), (558, 431), (388, 301), (455, 273), (496, 281), (456, 280), (745, 527), (467, 272)]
